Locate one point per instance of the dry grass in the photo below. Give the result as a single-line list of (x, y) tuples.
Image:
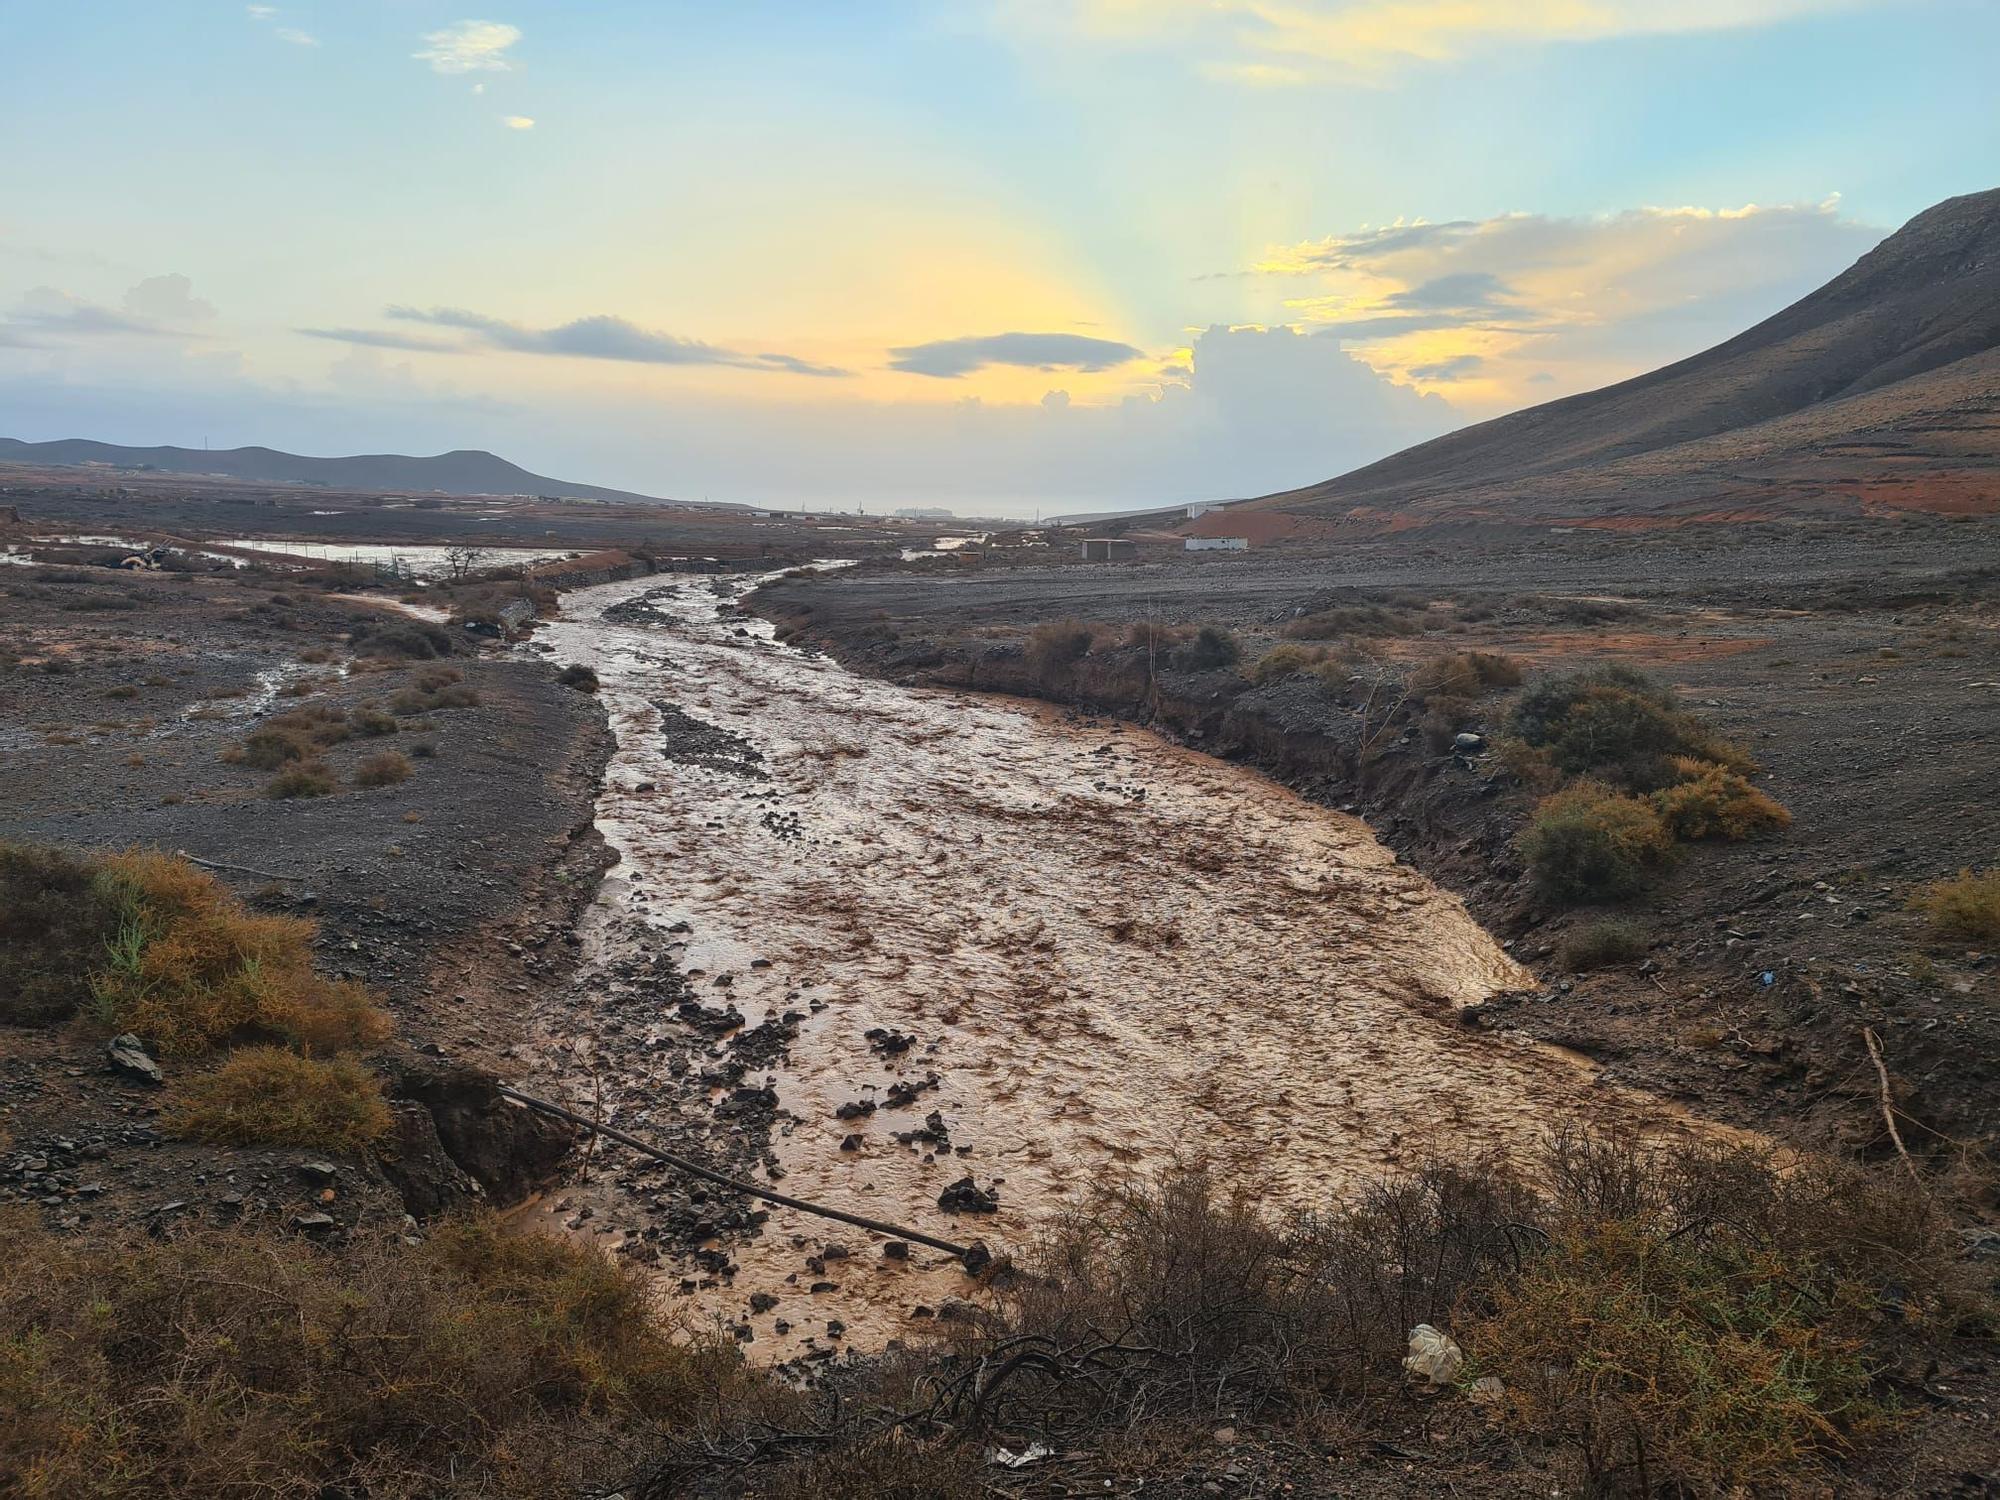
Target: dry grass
[(188, 968), (1603, 944), (312, 778), (432, 689), (1965, 906), (268, 1096), (1714, 802), (385, 769), (230, 1363)]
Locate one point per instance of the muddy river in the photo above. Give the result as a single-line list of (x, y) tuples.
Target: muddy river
[(1077, 948)]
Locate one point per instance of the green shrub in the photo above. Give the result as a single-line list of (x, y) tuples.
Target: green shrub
[(1967, 906), (1716, 803), (1616, 724), (1212, 649), (308, 778), (266, 1096), (1589, 842), (1603, 944)]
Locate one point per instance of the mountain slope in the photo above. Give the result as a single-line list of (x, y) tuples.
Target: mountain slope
[(467, 471), (1918, 316)]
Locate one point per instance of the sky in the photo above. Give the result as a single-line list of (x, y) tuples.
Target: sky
[(999, 256)]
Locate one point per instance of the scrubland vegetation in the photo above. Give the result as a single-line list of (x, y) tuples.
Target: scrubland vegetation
[(146, 943), (1671, 1319), (1966, 906)]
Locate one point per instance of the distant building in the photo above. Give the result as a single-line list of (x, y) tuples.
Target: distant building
[(1201, 508), (1217, 544), (1109, 549)]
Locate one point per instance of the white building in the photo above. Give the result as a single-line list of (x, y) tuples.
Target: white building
[(1217, 544)]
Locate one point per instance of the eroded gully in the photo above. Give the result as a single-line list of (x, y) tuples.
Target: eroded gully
[(1107, 953)]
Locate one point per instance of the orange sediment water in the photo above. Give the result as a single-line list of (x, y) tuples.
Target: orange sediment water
[(1112, 951)]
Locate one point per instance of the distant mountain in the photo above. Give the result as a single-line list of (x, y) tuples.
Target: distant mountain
[(467, 471), (1881, 387)]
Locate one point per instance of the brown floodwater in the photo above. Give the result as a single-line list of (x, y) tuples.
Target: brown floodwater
[(1114, 952)]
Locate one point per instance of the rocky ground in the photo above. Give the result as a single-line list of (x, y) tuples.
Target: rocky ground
[(451, 893), (1859, 663)]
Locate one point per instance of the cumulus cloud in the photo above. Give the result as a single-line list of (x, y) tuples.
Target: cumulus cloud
[(1480, 306), (949, 359), (470, 47), (599, 337), (1267, 43), (156, 308)]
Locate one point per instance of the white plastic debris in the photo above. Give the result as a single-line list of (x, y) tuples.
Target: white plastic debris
[(1034, 1453), (1433, 1357)]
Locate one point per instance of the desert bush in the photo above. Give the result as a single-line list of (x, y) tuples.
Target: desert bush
[(578, 676), (1441, 721), (1714, 802), (1463, 674), (1054, 648), (419, 640), (432, 689), (371, 723), (1590, 842), (226, 1361), (1151, 635), (1965, 906), (188, 968), (1602, 944), (1288, 660), (306, 778), (1360, 619), (385, 769), (1211, 649), (297, 734), (267, 1096), (54, 917), (1616, 724)]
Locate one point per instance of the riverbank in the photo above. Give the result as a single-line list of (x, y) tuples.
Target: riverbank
[(1856, 664), (450, 887)]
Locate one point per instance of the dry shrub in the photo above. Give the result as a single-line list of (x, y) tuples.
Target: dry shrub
[(268, 1096), (299, 734), (54, 917), (219, 1362), (1150, 635), (432, 689), (311, 778), (1604, 943), (1054, 648), (385, 769), (1966, 906), (578, 676), (418, 640), (1589, 842), (894, 1465), (1361, 619), (188, 968), (1714, 802), (1463, 674), (370, 722)]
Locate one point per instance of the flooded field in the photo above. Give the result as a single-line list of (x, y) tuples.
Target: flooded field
[(993, 942)]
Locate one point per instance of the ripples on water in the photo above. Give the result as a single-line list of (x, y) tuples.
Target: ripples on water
[(1112, 951)]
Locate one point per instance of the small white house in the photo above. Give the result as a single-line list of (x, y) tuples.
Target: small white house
[(1218, 544)]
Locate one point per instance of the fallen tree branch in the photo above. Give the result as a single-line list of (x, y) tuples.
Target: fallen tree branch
[(1888, 1106), (210, 864), (695, 1169)]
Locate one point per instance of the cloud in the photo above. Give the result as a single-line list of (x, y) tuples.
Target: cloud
[(374, 338), (601, 337), (1481, 307), (470, 47), (518, 122), (1266, 43), (948, 359), (150, 310), (260, 12), (296, 37), (168, 299)]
